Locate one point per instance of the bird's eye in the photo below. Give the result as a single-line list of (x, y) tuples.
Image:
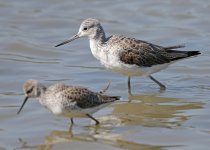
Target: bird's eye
[(85, 28), (29, 91)]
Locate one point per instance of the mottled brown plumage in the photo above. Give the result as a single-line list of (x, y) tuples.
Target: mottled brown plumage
[(83, 97), (128, 56), (66, 100), (145, 54)]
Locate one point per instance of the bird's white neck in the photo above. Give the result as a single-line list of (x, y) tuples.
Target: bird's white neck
[(97, 39), (94, 46), (98, 46)]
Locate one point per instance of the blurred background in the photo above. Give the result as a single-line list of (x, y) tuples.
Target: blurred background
[(148, 119)]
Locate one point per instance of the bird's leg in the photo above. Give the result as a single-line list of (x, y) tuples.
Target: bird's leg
[(71, 125), (102, 91), (72, 121), (97, 122), (162, 87), (129, 84)]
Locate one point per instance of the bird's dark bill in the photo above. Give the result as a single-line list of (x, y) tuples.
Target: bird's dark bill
[(25, 100), (73, 38)]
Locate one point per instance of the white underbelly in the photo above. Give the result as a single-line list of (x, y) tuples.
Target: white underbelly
[(134, 70)]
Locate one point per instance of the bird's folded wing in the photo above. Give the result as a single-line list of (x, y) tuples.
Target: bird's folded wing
[(143, 54)]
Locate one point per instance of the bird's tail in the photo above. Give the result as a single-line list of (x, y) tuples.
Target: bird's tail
[(174, 54), (188, 53), (174, 47), (193, 53)]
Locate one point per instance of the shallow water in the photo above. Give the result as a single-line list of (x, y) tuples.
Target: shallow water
[(178, 118)]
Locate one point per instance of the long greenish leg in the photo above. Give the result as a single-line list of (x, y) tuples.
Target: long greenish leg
[(72, 121), (71, 125), (162, 87), (129, 84), (97, 122)]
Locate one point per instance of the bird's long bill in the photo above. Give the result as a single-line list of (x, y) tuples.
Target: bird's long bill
[(25, 100), (72, 39)]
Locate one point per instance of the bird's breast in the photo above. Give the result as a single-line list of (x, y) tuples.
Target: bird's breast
[(98, 52), (107, 56)]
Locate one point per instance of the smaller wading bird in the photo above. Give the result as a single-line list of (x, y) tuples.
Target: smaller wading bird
[(66, 100), (128, 56)]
